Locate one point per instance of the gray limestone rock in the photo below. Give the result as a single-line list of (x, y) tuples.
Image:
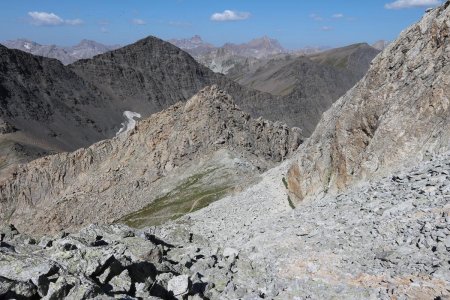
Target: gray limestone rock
[(179, 285)]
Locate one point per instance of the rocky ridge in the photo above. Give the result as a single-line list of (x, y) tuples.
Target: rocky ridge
[(398, 113), (114, 177)]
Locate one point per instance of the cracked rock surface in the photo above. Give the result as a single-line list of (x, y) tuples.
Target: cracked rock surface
[(106, 262)]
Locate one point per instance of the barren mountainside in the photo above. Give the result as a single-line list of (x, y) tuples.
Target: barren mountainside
[(114, 177), (150, 75)]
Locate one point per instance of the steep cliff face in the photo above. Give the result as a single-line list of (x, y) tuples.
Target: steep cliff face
[(115, 177), (396, 114)]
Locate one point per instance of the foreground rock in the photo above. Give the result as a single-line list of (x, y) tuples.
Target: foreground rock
[(110, 262), (398, 113)]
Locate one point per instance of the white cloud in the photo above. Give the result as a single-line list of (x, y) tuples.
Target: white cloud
[(316, 17), (138, 22), (229, 15), (327, 28), (40, 18), (338, 16), (399, 4), (43, 18)]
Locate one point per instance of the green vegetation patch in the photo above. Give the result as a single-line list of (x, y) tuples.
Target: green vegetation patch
[(190, 196)]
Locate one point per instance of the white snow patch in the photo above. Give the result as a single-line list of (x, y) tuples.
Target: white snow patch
[(27, 46), (129, 123)]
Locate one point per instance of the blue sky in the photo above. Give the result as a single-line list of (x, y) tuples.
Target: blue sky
[(295, 23)]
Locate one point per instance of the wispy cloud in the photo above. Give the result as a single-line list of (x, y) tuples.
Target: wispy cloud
[(337, 16), (316, 17), (327, 28), (40, 18), (230, 15), (400, 4), (138, 22)]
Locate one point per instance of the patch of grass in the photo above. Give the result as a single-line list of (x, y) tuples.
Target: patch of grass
[(190, 196)]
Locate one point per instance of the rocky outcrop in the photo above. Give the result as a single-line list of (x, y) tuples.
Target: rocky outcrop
[(114, 177), (398, 113), (110, 262)]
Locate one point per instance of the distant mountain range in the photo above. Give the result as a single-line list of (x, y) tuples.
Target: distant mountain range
[(67, 55), (257, 48), (223, 59)]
